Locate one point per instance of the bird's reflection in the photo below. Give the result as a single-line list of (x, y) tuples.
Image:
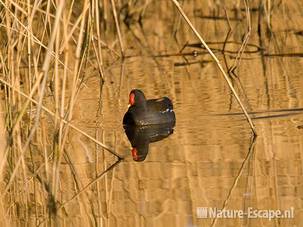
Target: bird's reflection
[(141, 136)]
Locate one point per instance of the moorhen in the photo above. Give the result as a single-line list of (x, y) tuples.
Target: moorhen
[(148, 112)]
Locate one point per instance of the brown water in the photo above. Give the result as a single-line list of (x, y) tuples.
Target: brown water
[(211, 159), (203, 163)]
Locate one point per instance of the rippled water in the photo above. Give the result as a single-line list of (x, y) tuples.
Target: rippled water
[(210, 160)]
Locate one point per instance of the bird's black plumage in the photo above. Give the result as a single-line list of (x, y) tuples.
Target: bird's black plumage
[(148, 112)]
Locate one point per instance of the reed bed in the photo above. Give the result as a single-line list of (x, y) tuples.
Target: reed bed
[(46, 47)]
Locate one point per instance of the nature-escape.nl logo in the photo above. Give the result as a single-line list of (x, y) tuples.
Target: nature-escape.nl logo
[(212, 212)]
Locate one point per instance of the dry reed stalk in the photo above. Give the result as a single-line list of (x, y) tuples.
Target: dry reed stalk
[(98, 47), (54, 44), (62, 130), (176, 3), (4, 221), (117, 27), (267, 8), (98, 53)]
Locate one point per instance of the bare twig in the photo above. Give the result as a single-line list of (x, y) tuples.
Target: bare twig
[(176, 3)]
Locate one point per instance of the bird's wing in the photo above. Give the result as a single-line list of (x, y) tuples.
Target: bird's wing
[(161, 104)]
